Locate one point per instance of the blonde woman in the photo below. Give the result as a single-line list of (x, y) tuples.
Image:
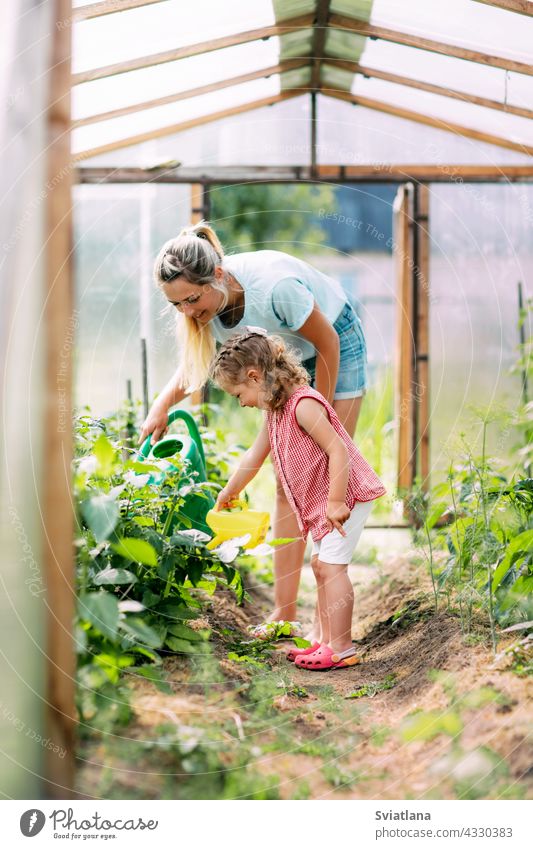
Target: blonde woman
[(215, 296)]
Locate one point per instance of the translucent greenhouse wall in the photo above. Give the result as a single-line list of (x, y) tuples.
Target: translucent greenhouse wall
[(118, 231), (23, 606), (481, 246)]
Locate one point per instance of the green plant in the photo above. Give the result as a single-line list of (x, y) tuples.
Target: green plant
[(142, 571), (488, 566), (372, 688)]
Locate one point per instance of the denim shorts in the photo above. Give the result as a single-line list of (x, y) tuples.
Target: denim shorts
[(352, 377)]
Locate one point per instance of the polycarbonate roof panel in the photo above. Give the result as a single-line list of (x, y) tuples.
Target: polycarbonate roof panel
[(280, 135), (162, 26), (343, 45), (354, 135), (464, 22), (172, 77), (449, 72), (105, 132), (273, 135), (470, 116)]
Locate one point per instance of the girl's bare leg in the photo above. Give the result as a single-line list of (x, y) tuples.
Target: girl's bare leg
[(338, 592), (323, 633), (288, 559)]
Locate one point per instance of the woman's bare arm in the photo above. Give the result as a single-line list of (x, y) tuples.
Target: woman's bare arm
[(157, 419), (318, 330)]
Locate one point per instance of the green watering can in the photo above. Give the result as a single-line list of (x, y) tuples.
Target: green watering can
[(189, 448)]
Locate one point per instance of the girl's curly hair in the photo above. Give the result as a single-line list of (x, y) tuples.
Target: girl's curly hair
[(278, 364)]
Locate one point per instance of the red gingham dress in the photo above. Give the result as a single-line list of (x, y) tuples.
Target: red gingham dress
[(303, 467)]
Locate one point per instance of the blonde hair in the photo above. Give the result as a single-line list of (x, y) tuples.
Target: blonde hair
[(194, 254), (279, 365)]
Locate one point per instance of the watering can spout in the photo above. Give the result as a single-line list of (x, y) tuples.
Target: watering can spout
[(228, 525)]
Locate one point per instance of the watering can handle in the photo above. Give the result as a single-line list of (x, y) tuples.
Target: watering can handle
[(240, 502), (191, 427)]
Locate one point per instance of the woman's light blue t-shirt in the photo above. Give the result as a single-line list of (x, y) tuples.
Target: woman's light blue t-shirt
[(280, 292)]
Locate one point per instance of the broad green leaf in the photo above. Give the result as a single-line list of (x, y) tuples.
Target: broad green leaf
[(114, 576), (178, 645), (300, 643), (105, 454), (142, 633), (144, 521), (137, 550), (101, 514), (176, 611), (519, 546), (435, 513), (457, 531), (184, 632), (101, 610), (141, 468), (112, 664)]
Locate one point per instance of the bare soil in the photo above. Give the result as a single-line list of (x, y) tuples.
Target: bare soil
[(307, 738)]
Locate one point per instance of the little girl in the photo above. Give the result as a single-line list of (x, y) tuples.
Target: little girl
[(327, 481)]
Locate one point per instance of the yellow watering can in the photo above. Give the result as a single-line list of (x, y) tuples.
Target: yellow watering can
[(227, 525)]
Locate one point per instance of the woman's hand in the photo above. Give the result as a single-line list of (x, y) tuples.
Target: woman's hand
[(226, 497), (337, 513), (156, 423)]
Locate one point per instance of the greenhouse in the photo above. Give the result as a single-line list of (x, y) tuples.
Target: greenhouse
[(380, 154)]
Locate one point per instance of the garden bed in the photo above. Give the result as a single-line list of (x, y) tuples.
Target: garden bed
[(428, 713)]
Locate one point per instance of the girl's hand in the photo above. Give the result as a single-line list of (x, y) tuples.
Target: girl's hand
[(156, 423), (226, 497), (337, 513)]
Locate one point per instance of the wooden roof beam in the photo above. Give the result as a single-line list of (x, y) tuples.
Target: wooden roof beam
[(523, 7), (289, 25), (319, 41), (375, 73), (438, 123), (382, 172), (344, 22), (108, 7), (282, 67), (184, 125)]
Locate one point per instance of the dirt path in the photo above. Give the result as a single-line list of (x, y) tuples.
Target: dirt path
[(230, 729)]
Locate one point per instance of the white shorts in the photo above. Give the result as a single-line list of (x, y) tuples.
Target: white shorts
[(334, 548)]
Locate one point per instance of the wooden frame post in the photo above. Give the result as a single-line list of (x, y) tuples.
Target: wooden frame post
[(421, 326), (200, 209), (403, 251), (59, 324)]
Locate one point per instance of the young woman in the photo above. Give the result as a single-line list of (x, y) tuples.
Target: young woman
[(214, 296), (328, 483)]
